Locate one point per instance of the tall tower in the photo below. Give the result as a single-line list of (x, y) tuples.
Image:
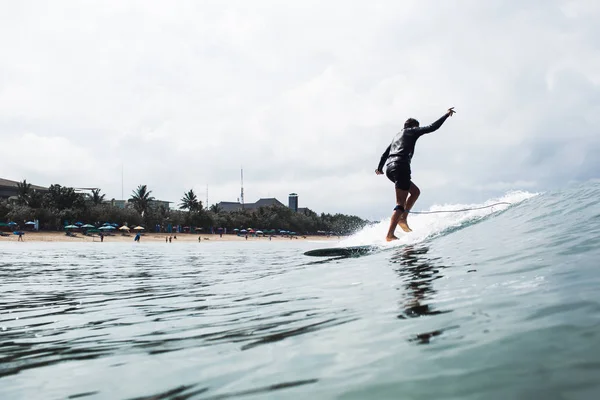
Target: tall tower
[(293, 202), (242, 191)]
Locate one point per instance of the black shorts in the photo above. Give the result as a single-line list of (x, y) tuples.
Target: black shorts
[(399, 173)]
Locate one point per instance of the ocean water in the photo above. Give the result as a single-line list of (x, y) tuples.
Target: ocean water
[(496, 303)]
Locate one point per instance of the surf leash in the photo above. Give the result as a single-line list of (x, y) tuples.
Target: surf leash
[(455, 211)]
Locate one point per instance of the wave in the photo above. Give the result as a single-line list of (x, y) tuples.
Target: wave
[(442, 221)]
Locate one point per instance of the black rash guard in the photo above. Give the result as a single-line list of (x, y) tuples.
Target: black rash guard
[(402, 147)]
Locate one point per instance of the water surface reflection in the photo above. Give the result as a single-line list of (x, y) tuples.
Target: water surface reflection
[(418, 271)]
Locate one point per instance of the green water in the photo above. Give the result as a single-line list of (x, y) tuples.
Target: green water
[(497, 306)]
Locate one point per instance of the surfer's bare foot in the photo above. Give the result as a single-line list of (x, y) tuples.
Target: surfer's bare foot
[(403, 224), (390, 238)]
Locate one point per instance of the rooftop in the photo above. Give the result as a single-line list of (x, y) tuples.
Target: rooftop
[(15, 184), (236, 205)]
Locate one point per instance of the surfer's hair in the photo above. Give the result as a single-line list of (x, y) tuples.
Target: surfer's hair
[(411, 123)]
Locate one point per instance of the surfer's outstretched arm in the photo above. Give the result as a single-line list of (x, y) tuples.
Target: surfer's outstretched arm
[(384, 157), (435, 126)]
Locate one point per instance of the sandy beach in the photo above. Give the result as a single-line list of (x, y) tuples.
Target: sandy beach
[(153, 237)]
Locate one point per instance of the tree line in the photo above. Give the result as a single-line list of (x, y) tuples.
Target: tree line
[(62, 205)]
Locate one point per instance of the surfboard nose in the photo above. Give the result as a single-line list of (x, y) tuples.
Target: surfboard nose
[(350, 251)]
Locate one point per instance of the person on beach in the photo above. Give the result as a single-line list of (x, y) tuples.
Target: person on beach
[(397, 158)]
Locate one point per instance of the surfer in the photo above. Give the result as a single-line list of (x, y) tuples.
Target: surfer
[(397, 158)]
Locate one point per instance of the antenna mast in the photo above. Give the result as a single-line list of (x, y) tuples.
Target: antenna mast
[(242, 192)]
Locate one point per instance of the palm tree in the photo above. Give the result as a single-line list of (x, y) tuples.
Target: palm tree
[(190, 201), (141, 199), (23, 192), (36, 199), (215, 208), (96, 198)]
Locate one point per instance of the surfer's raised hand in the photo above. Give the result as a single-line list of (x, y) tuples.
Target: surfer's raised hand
[(379, 172), (451, 111)]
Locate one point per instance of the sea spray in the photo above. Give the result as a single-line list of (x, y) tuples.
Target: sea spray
[(427, 226)]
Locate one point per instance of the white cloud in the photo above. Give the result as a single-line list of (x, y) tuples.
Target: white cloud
[(305, 95), (51, 156)]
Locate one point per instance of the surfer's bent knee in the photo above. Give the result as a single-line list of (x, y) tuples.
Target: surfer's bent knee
[(414, 190)]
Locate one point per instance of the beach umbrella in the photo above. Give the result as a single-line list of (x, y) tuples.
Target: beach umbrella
[(243, 231), (139, 228), (106, 224), (29, 223), (109, 227), (114, 224), (71, 227), (259, 232), (236, 230), (124, 228), (12, 223), (87, 226), (78, 223)]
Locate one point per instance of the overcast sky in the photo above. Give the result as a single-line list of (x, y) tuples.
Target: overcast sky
[(305, 95)]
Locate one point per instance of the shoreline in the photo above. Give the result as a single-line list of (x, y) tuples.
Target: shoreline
[(52, 236)]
